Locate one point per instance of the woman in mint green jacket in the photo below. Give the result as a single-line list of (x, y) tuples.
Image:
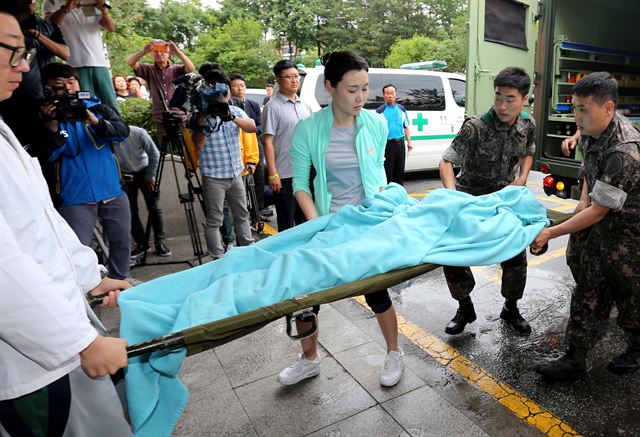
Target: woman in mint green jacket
[(345, 145)]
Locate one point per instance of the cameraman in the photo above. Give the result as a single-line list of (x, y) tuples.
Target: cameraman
[(78, 136), (217, 136)]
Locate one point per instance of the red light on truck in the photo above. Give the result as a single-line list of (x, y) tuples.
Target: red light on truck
[(544, 168), (549, 182)]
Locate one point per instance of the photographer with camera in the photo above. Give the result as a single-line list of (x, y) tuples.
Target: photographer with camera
[(216, 133), (160, 75), (78, 135)]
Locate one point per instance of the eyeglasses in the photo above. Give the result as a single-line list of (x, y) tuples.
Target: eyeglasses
[(18, 54), (290, 77)]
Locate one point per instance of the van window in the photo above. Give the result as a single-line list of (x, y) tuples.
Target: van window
[(418, 92), (458, 91), (375, 92)]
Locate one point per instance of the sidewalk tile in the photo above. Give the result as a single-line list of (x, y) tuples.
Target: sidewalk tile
[(258, 355), (365, 364), (423, 412), (337, 333), (203, 375), (372, 422), (277, 410), (220, 415)]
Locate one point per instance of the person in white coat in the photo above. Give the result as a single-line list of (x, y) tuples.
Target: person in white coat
[(54, 355)]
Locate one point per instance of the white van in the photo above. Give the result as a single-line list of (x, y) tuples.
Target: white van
[(434, 101)]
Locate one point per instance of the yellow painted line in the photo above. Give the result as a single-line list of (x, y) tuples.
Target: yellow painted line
[(547, 257), (535, 184), (425, 194), (520, 405), (533, 262), (555, 200), (568, 208)]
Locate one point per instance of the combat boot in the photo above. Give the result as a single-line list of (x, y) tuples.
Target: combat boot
[(572, 366), (511, 315), (628, 362), (465, 314)]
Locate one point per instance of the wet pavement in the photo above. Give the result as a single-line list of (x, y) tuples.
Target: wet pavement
[(481, 382)]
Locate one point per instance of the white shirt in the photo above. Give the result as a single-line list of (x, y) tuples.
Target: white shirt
[(44, 273), (82, 34)]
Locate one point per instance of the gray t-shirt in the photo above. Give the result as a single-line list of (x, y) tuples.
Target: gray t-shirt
[(344, 180), (279, 118)]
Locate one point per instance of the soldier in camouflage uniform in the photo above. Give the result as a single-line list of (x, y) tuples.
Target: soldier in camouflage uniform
[(604, 247), (489, 148)]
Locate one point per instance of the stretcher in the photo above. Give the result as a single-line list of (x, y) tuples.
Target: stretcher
[(210, 335)]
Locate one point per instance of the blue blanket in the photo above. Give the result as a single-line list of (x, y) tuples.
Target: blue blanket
[(387, 232)]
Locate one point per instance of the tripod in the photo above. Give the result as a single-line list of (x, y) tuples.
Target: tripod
[(173, 144)]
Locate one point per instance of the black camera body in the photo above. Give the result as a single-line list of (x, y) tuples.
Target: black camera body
[(211, 99), (69, 107)]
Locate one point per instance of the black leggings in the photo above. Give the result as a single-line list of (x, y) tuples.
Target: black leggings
[(378, 301)]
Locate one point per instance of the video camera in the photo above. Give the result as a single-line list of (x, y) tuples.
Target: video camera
[(69, 107), (209, 95)]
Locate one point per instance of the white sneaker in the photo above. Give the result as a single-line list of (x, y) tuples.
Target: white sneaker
[(228, 248), (300, 369), (133, 281), (393, 367)]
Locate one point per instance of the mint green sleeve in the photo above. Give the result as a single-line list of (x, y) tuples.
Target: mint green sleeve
[(301, 158)]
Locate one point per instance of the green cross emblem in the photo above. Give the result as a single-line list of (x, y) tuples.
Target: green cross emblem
[(420, 122)]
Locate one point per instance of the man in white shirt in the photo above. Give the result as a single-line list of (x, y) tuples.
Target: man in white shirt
[(82, 30), (53, 352)]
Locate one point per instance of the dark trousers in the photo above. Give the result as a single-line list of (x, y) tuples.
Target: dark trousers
[(136, 182), (602, 284), (258, 179), (115, 216), (394, 157), (287, 209), (514, 278)]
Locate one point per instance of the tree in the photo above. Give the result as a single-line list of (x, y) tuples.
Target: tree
[(451, 49), (179, 21), (128, 15), (238, 46)]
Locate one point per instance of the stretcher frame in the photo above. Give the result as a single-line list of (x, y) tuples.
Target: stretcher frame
[(203, 337)]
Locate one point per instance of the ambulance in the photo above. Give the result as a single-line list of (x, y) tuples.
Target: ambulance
[(434, 101), (557, 42)]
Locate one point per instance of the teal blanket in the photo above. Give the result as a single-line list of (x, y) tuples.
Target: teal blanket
[(387, 232)]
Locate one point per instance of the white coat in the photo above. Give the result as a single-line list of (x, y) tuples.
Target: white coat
[(44, 274)]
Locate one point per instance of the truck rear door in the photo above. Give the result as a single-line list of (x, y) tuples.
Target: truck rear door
[(502, 33)]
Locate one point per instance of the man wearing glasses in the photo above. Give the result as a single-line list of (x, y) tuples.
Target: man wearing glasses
[(52, 345), (279, 119)]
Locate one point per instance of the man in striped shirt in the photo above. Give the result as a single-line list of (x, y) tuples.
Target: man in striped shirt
[(218, 140)]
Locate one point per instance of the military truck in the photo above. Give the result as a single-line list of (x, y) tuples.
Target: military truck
[(557, 42)]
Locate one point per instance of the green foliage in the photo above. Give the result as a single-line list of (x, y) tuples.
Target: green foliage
[(444, 47), (137, 112), (179, 21), (246, 35), (239, 47)]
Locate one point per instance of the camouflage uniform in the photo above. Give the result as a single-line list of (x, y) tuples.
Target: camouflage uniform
[(605, 258), (488, 152)]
